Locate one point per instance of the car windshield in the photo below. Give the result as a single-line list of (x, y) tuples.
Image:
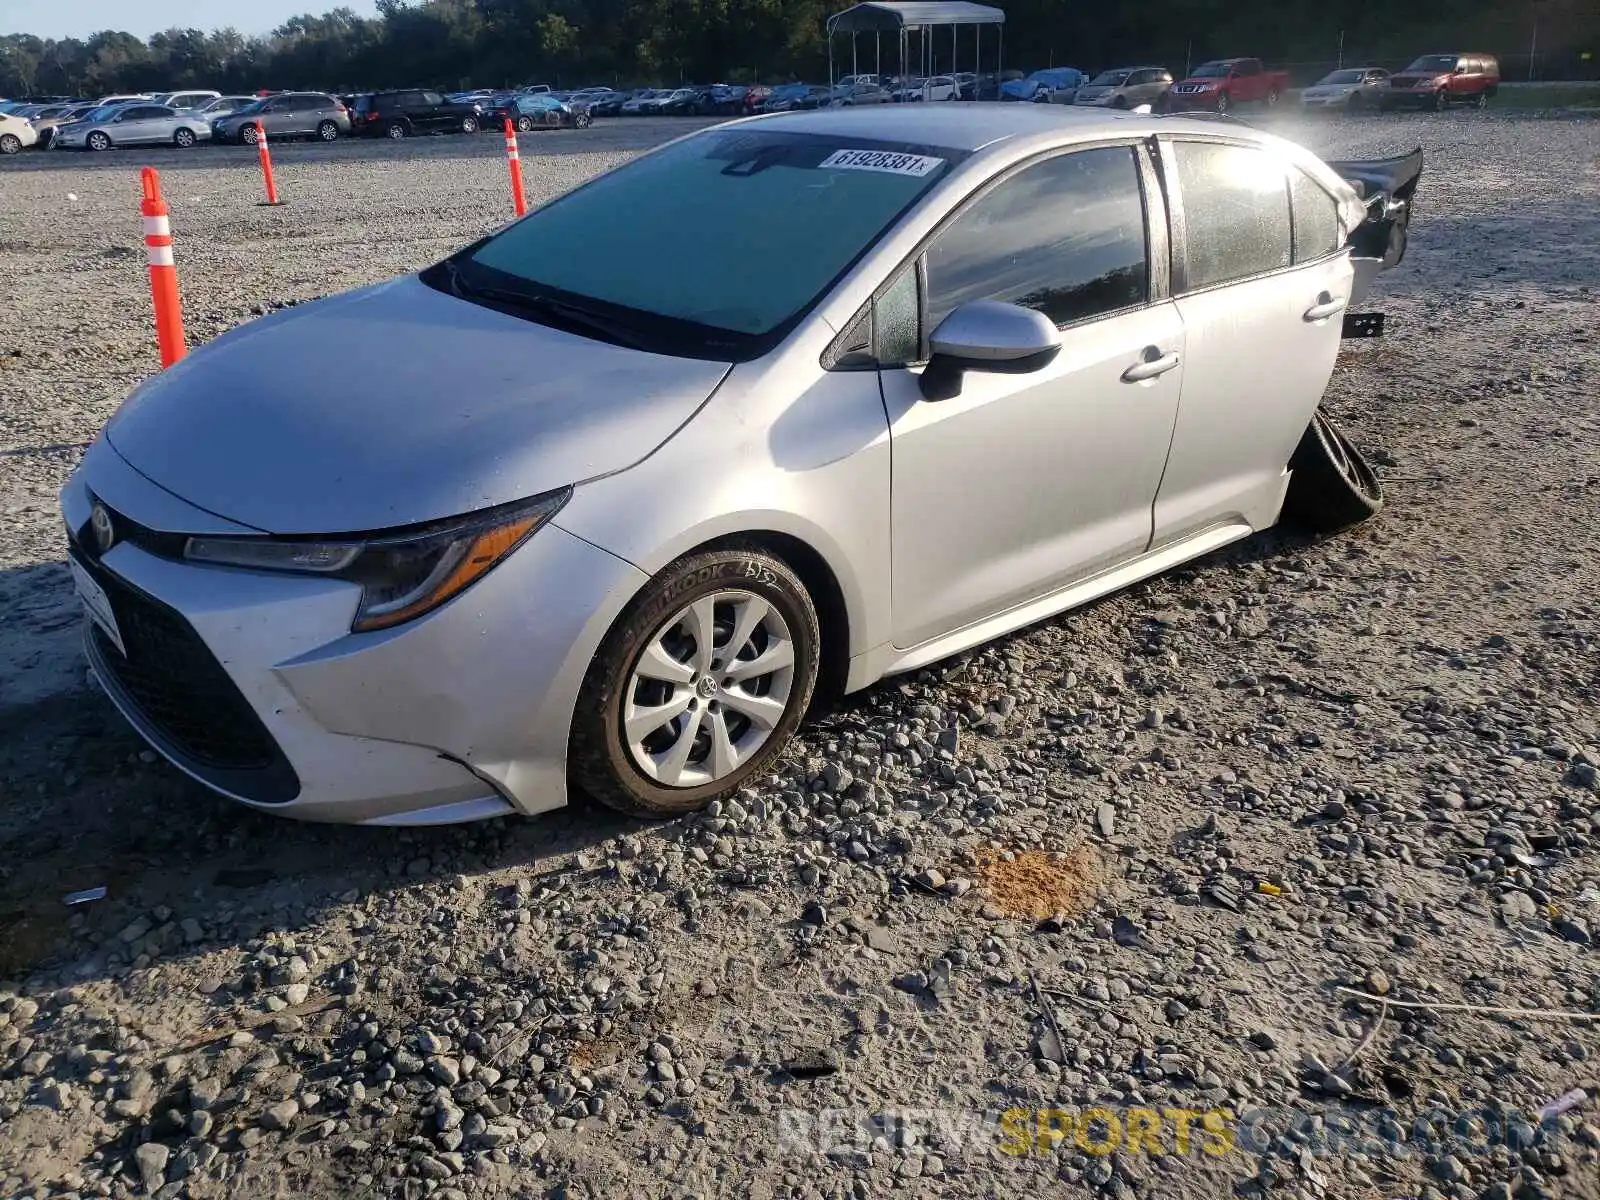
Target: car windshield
[(714, 246), (1211, 70), (1434, 62), (253, 106), (1111, 78), (103, 113), (1341, 77)]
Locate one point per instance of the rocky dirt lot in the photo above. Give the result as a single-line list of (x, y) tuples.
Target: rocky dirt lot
[(1123, 859)]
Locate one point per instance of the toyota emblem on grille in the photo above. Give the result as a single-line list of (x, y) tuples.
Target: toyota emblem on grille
[(104, 532)]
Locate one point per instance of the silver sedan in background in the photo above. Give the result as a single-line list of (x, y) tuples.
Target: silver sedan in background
[(1352, 88), (838, 394), (135, 124)]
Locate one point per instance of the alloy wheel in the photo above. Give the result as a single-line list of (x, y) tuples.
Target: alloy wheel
[(708, 689)]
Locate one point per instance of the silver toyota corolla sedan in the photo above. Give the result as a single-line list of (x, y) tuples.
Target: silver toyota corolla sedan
[(788, 405)]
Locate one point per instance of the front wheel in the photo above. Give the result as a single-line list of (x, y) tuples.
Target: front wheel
[(249, 135), (469, 124), (183, 139), (10, 143), (1331, 487), (327, 131), (1481, 101), (98, 141), (582, 120), (524, 124), (1439, 101), (395, 131), (1223, 104), (698, 686), (1272, 98)]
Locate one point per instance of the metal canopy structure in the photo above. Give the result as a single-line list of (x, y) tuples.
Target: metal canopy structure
[(901, 18)]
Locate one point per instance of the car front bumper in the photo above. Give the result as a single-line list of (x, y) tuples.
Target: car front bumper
[(1177, 101), (1410, 98), (252, 682)]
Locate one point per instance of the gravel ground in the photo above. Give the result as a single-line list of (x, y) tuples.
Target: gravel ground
[(1122, 859)]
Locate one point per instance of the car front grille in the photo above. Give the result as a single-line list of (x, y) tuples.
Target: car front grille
[(186, 703)]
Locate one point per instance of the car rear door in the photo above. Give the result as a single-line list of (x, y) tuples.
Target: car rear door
[(142, 123), (1261, 284), (1024, 483), (435, 113)]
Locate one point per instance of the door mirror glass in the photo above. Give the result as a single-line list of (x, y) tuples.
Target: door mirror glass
[(987, 335)]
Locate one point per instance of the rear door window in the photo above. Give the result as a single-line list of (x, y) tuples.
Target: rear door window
[(1236, 211)]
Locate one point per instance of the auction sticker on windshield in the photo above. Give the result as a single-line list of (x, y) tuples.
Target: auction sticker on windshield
[(887, 161), (97, 603)]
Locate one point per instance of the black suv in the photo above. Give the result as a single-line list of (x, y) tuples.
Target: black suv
[(412, 111)]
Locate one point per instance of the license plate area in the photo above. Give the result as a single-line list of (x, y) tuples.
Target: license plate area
[(97, 604)]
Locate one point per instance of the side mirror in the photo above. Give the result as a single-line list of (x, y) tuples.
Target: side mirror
[(987, 335)]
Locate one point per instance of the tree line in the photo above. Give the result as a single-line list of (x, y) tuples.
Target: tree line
[(488, 43)]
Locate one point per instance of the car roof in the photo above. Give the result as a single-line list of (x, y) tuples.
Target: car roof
[(955, 126)]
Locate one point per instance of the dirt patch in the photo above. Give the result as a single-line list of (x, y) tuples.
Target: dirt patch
[(1039, 884)]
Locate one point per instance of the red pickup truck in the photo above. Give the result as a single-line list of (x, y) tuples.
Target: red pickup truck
[(1219, 85)]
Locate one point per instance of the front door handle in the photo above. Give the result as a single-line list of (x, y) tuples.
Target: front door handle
[(1150, 367), (1325, 307)]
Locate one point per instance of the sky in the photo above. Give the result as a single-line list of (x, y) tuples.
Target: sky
[(79, 18)]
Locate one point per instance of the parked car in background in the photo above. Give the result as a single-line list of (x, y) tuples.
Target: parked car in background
[(1125, 87), (533, 89), (16, 133), (286, 115), (1053, 85), (636, 104), (1224, 83), (1350, 88), (46, 125), (408, 112), (1437, 81), (127, 98), (789, 97), (849, 95), (132, 125), (935, 87), (221, 106), (185, 101), (545, 111), (677, 102)]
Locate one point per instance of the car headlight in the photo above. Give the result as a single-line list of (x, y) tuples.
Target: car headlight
[(403, 575)]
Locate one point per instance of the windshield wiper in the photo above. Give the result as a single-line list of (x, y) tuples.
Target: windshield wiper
[(570, 315)]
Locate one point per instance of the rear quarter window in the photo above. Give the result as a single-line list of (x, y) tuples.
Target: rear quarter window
[(1236, 212), (1316, 218)]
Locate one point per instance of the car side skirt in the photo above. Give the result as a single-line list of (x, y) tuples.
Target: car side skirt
[(892, 660)]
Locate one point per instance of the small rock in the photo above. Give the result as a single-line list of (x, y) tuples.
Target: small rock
[(812, 1064), (1124, 932), (56, 1095), (835, 778), (1573, 929), (151, 1159), (1450, 1169), (814, 914), (1377, 982), (1105, 818), (1263, 1040), (281, 1115), (135, 930), (445, 1071)]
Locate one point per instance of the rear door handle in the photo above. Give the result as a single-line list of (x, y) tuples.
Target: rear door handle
[(1325, 307), (1150, 368)]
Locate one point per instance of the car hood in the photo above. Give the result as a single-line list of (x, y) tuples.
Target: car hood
[(395, 405), (1413, 79)]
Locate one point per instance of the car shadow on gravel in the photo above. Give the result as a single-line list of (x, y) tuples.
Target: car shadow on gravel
[(88, 805)]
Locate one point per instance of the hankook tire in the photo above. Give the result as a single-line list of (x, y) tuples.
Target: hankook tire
[(698, 686)]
